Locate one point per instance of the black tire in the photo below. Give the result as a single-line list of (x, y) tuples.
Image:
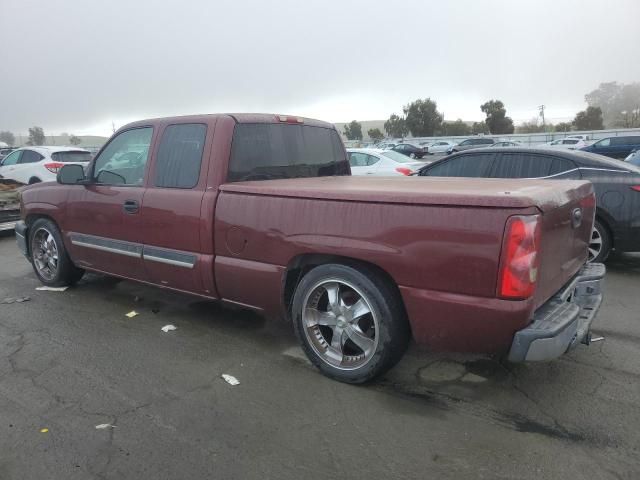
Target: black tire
[(34, 180), (391, 335), (600, 237), (65, 272)]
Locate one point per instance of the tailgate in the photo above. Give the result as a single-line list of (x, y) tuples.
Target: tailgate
[(567, 222)]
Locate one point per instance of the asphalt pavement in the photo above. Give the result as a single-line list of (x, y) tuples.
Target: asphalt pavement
[(71, 361)]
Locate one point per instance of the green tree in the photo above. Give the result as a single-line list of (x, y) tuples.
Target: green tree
[(73, 140), (8, 138), (531, 126), (455, 129), (620, 103), (563, 127), (396, 127), (422, 118), (589, 119), (497, 119), (36, 136), (479, 127), (375, 134), (353, 131)]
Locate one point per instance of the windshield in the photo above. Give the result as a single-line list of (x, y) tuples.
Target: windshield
[(68, 157), (272, 151), (397, 157)]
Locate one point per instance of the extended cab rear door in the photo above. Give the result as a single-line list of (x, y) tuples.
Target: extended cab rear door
[(176, 250)]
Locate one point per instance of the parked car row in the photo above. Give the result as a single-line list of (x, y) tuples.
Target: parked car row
[(616, 183)]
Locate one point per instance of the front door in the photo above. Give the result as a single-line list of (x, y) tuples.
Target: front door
[(102, 221)]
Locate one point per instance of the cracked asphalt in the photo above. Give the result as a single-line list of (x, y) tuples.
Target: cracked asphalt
[(70, 361)]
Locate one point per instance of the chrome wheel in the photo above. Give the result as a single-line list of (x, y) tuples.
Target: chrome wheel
[(595, 245), (339, 324), (45, 253)]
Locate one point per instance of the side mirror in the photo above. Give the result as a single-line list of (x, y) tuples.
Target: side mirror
[(71, 175)]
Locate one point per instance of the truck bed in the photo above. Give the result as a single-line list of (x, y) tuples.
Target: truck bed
[(482, 192)]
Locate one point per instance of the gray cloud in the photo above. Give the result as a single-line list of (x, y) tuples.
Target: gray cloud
[(77, 65)]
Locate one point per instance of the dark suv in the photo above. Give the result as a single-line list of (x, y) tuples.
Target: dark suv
[(476, 142), (615, 147), (617, 186)]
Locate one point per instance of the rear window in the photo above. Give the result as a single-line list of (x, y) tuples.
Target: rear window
[(272, 151), (67, 157)]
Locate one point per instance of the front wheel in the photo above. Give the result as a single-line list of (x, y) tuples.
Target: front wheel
[(350, 322), (600, 244), (412, 155), (50, 260)]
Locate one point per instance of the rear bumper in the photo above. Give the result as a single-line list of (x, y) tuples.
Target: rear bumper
[(562, 322), (21, 237)]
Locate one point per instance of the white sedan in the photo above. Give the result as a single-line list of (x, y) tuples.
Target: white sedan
[(568, 143), (40, 164), (370, 161), (441, 146)]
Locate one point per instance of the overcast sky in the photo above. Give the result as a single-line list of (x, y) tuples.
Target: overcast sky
[(76, 66)]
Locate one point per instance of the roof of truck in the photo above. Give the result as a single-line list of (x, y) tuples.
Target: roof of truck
[(238, 117), (476, 192)]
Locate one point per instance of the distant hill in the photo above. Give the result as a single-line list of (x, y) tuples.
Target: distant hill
[(63, 140)]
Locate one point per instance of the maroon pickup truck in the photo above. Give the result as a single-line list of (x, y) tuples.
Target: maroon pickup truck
[(261, 211)]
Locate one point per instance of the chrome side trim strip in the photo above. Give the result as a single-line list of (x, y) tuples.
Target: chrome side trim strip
[(105, 249), (168, 261), (94, 242)]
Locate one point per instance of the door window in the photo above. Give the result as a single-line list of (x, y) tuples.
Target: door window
[(12, 158), (371, 160), (470, 165), (180, 155), (561, 165), (604, 143), (124, 159), (358, 159), (521, 165), (29, 156)]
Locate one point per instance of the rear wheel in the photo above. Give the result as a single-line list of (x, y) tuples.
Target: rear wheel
[(50, 260), (412, 155), (33, 180), (600, 244), (350, 322)]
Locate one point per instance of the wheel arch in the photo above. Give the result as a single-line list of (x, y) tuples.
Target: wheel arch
[(34, 179), (607, 222), (301, 264)]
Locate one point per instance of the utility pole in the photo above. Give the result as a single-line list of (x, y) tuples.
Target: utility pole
[(544, 127)]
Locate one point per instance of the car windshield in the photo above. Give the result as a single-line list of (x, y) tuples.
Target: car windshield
[(397, 157), (68, 157)]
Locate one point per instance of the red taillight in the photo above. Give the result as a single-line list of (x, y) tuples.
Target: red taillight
[(54, 167), (290, 119), (404, 170), (636, 188), (519, 263)]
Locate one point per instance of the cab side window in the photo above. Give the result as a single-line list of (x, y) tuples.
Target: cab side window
[(180, 155), (124, 159)]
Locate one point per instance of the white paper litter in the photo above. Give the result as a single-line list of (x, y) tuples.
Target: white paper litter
[(168, 328), (132, 314), (230, 379), (51, 289), (102, 426)]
